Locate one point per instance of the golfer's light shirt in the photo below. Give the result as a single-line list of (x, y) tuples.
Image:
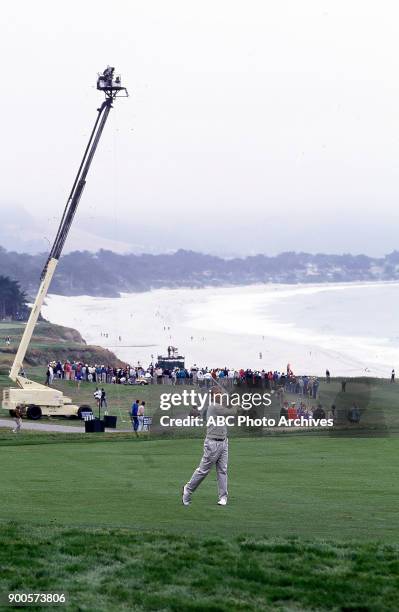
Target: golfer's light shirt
[(216, 431)]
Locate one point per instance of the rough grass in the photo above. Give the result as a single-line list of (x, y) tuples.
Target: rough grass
[(120, 569)]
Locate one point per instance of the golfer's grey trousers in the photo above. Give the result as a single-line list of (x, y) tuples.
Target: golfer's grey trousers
[(216, 453)]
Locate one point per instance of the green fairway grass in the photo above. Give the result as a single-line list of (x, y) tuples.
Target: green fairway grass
[(311, 524), (305, 485)]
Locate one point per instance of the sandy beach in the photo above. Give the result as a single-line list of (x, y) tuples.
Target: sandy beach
[(350, 328)]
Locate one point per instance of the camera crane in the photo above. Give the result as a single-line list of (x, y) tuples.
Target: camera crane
[(34, 397)]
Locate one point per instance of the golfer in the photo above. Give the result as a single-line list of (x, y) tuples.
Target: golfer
[(215, 452)]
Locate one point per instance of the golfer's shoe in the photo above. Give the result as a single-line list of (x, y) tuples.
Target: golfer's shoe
[(186, 497), (222, 501)]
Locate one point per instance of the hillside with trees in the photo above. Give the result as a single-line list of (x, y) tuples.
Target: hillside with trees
[(108, 274)]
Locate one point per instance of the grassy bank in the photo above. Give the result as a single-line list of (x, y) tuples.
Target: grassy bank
[(49, 342)]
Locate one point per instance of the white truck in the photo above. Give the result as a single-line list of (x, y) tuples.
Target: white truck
[(34, 399)]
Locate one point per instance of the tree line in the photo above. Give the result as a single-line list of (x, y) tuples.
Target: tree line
[(12, 299), (108, 274)]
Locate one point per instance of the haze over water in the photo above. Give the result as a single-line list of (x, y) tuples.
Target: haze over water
[(352, 329)]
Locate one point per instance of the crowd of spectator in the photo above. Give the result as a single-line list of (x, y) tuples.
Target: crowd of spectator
[(305, 387), (203, 377), (98, 374), (292, 411)]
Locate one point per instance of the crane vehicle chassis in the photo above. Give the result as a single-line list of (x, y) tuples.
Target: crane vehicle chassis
[(34, 399)]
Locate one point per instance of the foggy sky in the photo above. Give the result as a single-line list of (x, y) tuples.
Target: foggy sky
[(252, 126)]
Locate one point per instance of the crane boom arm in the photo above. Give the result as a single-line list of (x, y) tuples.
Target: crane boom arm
[(33, 317), (62, 233)]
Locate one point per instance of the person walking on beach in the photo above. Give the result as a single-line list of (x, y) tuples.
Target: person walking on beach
[(216, 452), (392, 376)]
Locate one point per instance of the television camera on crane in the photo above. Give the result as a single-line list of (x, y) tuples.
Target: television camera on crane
[(35, 399)]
